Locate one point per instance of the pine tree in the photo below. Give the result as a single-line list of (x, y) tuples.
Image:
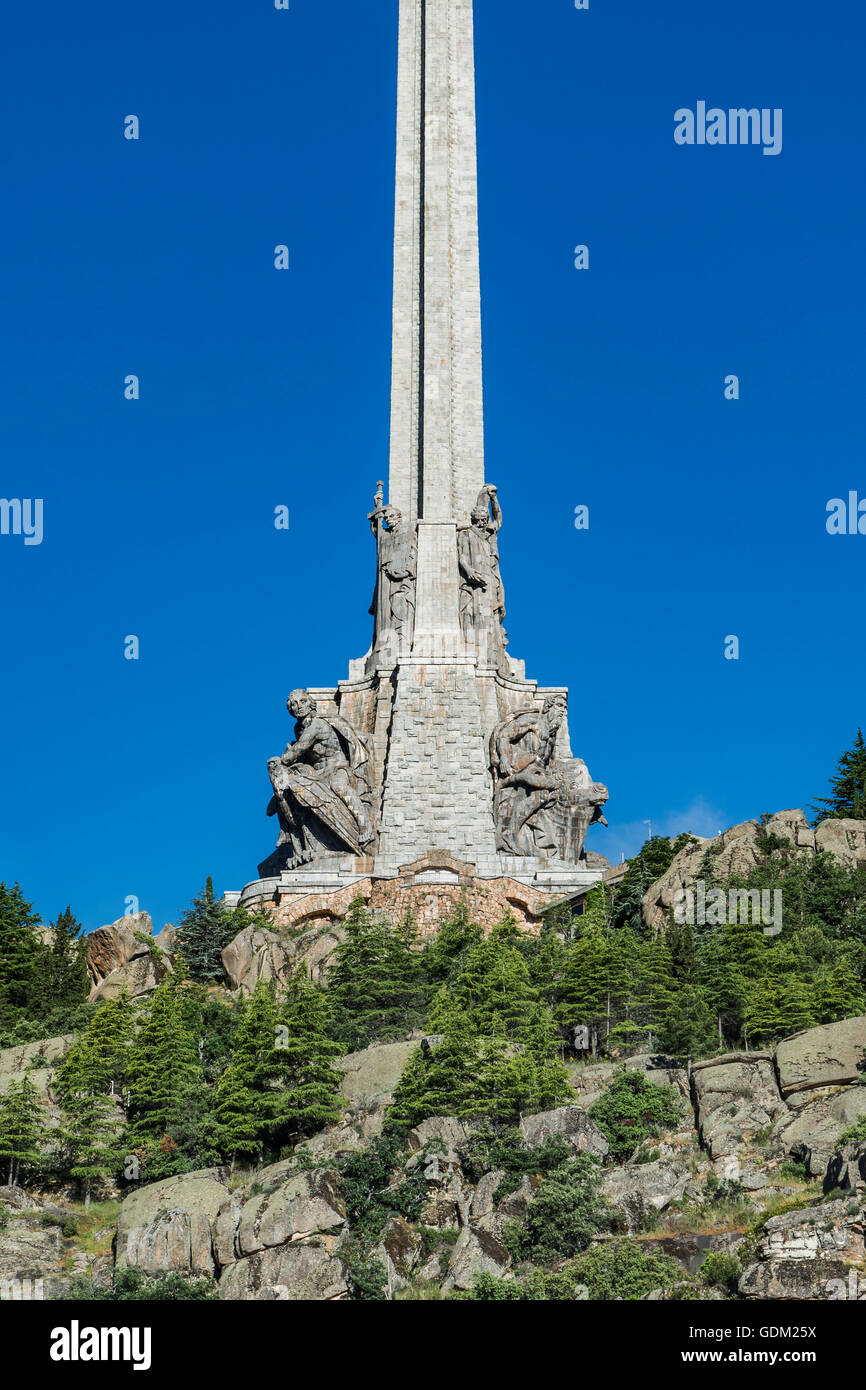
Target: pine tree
[(65, 982), (848, 799), (102, 1050), (455, 937), (165, 1080), (22, 1128), (838, 993), (21, 953), (375, 981), (92, 1125), (203, 932), (494, 983), (440, 1080), (300, 1062), (244, 1103)]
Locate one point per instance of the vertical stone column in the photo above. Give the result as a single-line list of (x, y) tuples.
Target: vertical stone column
[(437, 432)]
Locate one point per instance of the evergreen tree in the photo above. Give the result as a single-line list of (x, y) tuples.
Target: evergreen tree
[(440, 1080), (21, 952), (300, 1062), (838, 993), (204, 931), (22, 1128), (494, 982), (92, 1125), (375, 981), (65, 983), (165, 1081), (244, 1103), (848, 787), (454, 939)]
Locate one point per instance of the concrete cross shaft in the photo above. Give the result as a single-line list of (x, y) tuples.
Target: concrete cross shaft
[(437, 432)]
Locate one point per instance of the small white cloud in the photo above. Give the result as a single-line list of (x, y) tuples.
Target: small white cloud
[(626, 838)]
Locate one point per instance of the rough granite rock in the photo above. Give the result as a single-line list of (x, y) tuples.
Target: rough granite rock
[(117, 957), (736, 852), (846, 1170), (401, 1251), (476, 1252), (567, 1122), (303, 1272), (801, 1252), (37, 1059), (644, 1188), (832, 1055), (168, 1225), (257, 954), (736, 1095), (812, 1133), (303, 1205)]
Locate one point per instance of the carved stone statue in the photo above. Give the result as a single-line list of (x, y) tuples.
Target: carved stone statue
[(322, 795), (393, 605), (482, 594), (542, 806)]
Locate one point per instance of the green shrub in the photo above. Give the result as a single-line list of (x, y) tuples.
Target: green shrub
[(132, 1286), (720, 1268), (563, 1216), (854, 1134), (368, 1281), (633, 1110)]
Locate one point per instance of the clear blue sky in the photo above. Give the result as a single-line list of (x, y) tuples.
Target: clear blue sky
[(261, 388)]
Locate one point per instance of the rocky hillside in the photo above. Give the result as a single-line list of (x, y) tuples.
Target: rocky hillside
[(746, 1187)]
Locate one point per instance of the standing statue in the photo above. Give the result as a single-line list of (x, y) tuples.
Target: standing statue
[(543, 807), (322, 795), (393, 605), (482, 594)]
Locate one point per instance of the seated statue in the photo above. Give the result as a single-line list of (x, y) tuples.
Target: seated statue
[(322, 797), (543, 807)]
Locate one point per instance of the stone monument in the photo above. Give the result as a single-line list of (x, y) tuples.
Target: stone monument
[(437, 769)]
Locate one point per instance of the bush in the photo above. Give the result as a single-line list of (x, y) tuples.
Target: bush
[(854, 1134), (132, 1286), (563, 1216), (720, 1268), (616, 1270), (632, 1111), (368, 1281)]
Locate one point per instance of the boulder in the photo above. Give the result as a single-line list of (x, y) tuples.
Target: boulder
[(567, 1122), (476, 1252), (445, 1132), (812, 1133), (846, 1170), (644, 1188), (832, 1055), (168, 1225), (401, 1251), (29, 1253), (256, 954), (371, 1076), (259, 954), (801, 1254), (737, 851), (117, 956), (37, 1059), (304, 1272), (304, 1205), (736, 1096), (844, 839)]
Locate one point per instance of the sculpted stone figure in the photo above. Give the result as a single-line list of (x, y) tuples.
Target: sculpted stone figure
[(542, 807), (482, 594), (393, 605), (321, 795)]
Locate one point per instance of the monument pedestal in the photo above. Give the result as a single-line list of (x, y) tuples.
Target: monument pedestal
[(437, 771)]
